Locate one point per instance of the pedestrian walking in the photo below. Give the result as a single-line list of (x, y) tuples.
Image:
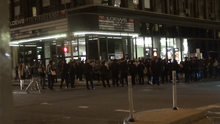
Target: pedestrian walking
[(22, 74), (35, 78)]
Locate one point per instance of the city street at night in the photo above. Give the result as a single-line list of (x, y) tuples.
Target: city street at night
[(109, 105)]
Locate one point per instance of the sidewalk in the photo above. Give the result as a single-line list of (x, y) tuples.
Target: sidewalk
[(80, 83), (167, 116)]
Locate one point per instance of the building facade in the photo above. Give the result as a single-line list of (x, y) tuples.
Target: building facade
[(113, 29)]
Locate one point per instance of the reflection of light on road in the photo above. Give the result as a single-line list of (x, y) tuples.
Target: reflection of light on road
[(83, 107), (45, 103), (121, 110), (218, 85)]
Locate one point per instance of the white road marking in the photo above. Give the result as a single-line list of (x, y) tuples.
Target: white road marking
[(218, 113), (45, 103), (122, 110), (218, 85), (83, 107), (147, 90)]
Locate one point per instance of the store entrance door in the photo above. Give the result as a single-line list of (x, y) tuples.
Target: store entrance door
[(107, 47)]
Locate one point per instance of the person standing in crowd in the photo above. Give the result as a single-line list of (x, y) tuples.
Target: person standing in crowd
[(50, 73), (97, 67), (77, 71), (42, 74), (123, 71), (140, 72), (72, 73), (132, 71), (115, 72), (176, 67), (186, 67), (211, 63), (81, 64), (64, 74), (215, 66), (149, 74), (88, 74), (104, 74), (164, 75), (16, 72), (22, 74), (156, 70), (205, 68), (35, 78)]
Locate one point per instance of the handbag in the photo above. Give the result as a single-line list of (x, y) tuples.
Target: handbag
[(53, 73)]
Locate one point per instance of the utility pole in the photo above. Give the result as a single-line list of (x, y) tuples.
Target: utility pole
[(69, 36)]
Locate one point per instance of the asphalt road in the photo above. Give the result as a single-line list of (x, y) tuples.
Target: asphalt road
[(108, 105)]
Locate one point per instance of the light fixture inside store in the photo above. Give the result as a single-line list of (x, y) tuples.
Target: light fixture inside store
[(16, 42), (136, 2), (117, 3), (107, 33)]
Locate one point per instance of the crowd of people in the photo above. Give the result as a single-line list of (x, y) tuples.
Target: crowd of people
[(155, 70)]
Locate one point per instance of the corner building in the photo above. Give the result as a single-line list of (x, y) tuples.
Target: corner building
[(113, 29)]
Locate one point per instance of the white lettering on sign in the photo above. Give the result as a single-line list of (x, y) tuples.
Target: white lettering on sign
[(37, 18), (117, 19)]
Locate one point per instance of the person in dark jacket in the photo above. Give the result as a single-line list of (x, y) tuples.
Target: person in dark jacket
[(123, 71), (41, 71), (156, 70), (140, 71), (186, 67), (64, 74), (104, 74), (72, 73), (132, 71), (115, 72), (88, 74)]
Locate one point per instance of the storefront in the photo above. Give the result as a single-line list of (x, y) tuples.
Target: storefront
[(92, 35)]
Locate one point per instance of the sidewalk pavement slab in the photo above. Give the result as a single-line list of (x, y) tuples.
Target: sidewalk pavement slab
[(167, 116)]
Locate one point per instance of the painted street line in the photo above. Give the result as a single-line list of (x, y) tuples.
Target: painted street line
[(83, 107), (121, 110), (45, 103)]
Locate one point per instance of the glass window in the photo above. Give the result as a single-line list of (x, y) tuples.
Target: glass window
[(17, 10), (65, 1), (82, 47), (163, 48), (147, 4), (34, 11), (170, 47), (97, 1), (75, 48), (140, 47), (46, 3), (185, 49), (47, 50)]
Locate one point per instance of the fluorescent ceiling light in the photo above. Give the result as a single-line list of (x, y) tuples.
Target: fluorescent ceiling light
[(107, 33), (36, 39)]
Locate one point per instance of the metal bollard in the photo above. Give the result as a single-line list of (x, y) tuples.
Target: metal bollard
[(130, 98), (174, 92)]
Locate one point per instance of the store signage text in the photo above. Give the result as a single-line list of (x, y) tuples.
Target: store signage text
[(116, 24), (38, 18)]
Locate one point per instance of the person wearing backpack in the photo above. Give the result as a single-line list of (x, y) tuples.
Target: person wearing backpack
[(35, 78)]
